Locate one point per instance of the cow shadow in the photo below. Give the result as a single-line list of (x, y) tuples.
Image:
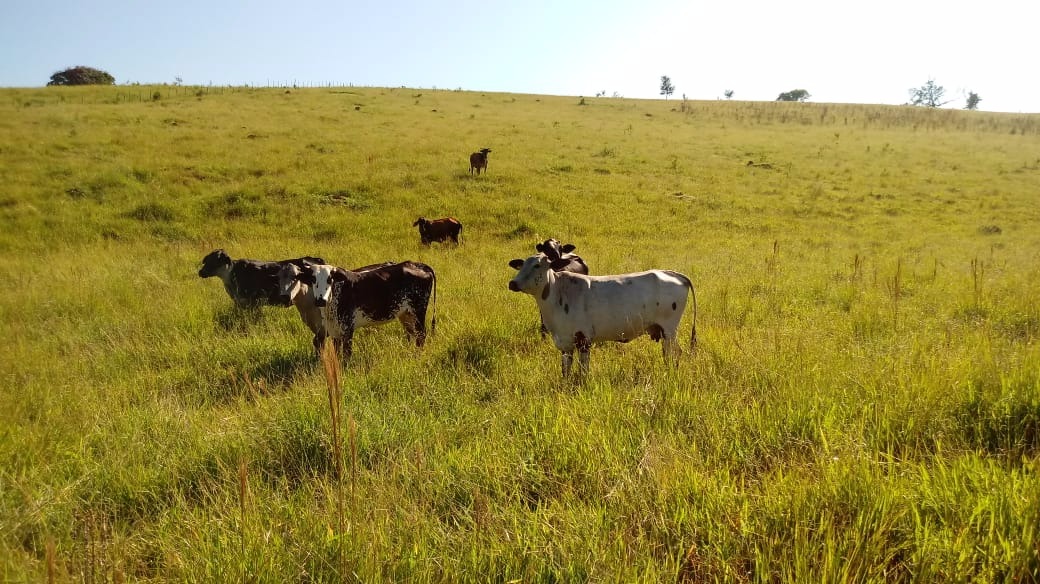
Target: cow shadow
[(234, 319), (262, 373), (281, 367)]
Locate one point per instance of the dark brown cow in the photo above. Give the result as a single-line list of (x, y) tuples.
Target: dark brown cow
[(438, 229), (478, 160), (250, 283), (351, 300)]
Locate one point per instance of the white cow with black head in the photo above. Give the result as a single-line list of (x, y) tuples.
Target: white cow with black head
[(580, 310)]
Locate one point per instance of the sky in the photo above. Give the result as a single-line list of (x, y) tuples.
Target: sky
[(848, 51)]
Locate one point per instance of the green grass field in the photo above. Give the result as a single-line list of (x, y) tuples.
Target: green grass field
[(864, 404)]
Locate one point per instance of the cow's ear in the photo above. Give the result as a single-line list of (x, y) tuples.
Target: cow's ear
[(306, 277), (539, 248), (568, 248), (558, 264), (416, 223), (338, 275), (516, 264)]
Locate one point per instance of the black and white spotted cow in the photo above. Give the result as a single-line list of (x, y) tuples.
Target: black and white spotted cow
[(297, 292), (250, 283), (350, 300), (580, 310)]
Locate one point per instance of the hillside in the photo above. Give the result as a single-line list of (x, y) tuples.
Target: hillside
[(864, 403)]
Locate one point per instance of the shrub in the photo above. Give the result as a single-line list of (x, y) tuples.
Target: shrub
[(81, 76), (152, 212)]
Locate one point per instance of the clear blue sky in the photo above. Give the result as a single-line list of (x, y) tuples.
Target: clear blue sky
[(840, 51)]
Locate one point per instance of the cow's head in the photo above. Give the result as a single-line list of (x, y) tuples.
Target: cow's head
[(532, 274), (422, 223), (214, 263), (553, 249), (485, 151), (324, 278), (291, 279)]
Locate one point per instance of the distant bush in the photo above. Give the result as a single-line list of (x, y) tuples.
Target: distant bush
[(81, 76), (236, 205), (794, 95), (358, 199), (152, 212), (524, 229)]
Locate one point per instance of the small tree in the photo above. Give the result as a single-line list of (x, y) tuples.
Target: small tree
[(728, 93), (928, 95), (973, 101), (81, 76), (794, 95), (666, 86)]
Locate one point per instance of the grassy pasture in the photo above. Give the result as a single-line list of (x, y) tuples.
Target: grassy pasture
[(864, 404)]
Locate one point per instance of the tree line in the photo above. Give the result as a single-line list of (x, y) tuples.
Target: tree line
[(928, 95)]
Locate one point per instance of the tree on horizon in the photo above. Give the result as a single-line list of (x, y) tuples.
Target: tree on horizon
[(666, 86), (81, 76)]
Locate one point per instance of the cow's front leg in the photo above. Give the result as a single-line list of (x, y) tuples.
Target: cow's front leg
[(584, 345), (318, 341)]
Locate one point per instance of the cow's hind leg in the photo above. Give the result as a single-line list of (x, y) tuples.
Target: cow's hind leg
[(344, 345), (567, 357), (670, 348), (671, 351), (414, 326)]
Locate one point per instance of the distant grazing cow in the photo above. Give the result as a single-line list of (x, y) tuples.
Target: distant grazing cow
[(298, 293), (581, 310), (351, 300), (478, 160), (554, 251), (438, 229), (249, 283)]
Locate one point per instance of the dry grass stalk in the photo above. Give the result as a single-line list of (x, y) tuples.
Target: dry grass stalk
[(51, 561), (243, 493), (331, 366)]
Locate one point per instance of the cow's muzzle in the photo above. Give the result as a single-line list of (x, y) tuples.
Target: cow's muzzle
[(513, 286), (319, 302)]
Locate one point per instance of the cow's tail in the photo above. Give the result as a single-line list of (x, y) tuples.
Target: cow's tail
[(693, 319), (433, 318), (460, 233)]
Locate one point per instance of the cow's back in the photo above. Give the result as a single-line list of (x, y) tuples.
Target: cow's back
[(255, 281), (378, 296), (615, 307)]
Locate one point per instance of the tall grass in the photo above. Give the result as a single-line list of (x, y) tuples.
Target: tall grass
[(864, 404)]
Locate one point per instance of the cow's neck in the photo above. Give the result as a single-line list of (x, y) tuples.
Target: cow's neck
[(544, 297)]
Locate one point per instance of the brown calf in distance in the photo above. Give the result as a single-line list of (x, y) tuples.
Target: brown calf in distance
[(438, 229), (478, 160)]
